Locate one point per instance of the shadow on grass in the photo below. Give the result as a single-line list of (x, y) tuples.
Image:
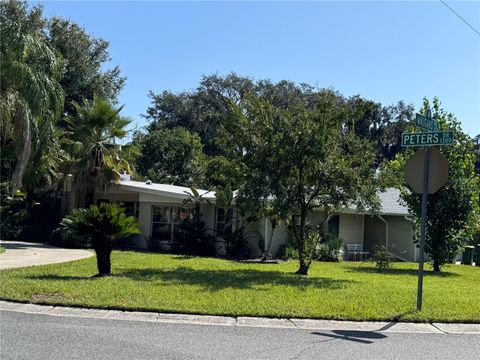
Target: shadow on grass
[(60, 277), (215, 280), (394, 271)]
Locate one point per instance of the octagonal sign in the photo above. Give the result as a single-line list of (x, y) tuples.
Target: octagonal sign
[(437, 175)]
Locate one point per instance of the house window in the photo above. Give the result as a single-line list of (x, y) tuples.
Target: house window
[(222, 218), (334, 225), (165, 221), (131, 207)]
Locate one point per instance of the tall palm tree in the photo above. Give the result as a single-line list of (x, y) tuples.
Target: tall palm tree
[(96, 156), (31, 98)]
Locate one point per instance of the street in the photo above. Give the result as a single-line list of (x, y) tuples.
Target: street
[(38, 336)]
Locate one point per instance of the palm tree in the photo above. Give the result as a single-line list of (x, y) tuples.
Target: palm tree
[(96, 155), (102, 226), (31, 98)]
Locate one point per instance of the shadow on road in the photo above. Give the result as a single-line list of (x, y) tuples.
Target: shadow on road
[(364, 337)]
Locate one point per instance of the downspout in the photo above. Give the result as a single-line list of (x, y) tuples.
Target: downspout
[(386, 230)]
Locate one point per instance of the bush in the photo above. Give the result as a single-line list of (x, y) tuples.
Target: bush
[(329, 248), (287, 252), (65, 238), (13, 216), (382, 258)]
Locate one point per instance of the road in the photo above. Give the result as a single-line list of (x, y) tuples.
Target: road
[(38, 336)]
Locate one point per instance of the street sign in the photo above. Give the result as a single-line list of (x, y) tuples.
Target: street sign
[(428, 138), (426, 123), (437, 172)]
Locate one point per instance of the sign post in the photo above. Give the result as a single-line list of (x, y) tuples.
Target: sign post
[(423, 225), (426, 139)]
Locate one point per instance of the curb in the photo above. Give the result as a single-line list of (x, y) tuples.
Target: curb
[(185, 319)]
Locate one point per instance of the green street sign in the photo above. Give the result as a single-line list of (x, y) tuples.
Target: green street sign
[(426, 123), (428, 138)]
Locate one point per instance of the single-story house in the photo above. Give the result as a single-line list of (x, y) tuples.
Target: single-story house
[(161, 207)]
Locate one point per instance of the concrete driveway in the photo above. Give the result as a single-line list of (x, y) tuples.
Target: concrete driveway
[(22, 254)]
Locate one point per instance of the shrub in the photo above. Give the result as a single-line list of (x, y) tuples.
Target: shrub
[(287, 252), (13, 216), (63, 237), (101, 226), (382, 258), (329, 248)]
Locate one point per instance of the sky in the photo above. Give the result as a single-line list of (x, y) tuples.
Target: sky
[(385, 51)]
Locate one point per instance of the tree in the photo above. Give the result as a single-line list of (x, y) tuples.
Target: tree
[(102, 226), (97, 158), (84, 60), (172, 156), (454, 209), (301, 158), (31, 98)]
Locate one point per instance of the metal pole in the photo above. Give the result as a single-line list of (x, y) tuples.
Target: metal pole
[(426, 167)]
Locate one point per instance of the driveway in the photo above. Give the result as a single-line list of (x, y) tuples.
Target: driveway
[(21, 254)]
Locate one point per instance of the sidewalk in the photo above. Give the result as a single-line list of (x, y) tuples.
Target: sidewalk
[(307, 324), (21, 254)]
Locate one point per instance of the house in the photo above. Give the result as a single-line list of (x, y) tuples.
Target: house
[(161, 207)]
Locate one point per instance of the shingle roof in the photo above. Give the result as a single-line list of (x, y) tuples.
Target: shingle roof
[(391, 203)]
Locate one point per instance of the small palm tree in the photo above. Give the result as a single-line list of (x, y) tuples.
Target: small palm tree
[(97, 158), (102, 226)]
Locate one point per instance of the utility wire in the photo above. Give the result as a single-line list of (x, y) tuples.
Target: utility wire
[(461, 18)]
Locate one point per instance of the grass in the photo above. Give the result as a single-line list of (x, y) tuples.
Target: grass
[(2, 249), (170, 283)]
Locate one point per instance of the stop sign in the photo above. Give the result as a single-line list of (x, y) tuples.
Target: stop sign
[(437, 174)]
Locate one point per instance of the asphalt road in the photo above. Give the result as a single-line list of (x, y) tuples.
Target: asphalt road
[(35, 336)]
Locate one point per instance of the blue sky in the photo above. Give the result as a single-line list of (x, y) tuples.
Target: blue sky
[(384, 51)]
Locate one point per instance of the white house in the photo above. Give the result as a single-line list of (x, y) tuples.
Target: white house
[(160, 208)]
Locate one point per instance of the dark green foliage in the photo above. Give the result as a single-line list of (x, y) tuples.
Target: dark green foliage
[(63, 237), (192, 237), (101, 226), (300, 158), (171, 156), (382, 258), (85, 56), (96, 158), (13, 216), (454, 210), (329, 248)]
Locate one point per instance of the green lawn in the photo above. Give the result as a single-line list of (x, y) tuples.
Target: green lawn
[(171, 283), (2, 249)]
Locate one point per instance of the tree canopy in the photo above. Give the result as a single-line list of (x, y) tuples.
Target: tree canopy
[(453, 211)]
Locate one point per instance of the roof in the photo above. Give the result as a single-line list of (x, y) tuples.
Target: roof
[(179, 192), (391, 203)]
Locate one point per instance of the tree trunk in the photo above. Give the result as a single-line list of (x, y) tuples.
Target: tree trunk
[(103, 261), (436, 266), (304, 263), (26, 147), (303, 269), (267, 255)]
